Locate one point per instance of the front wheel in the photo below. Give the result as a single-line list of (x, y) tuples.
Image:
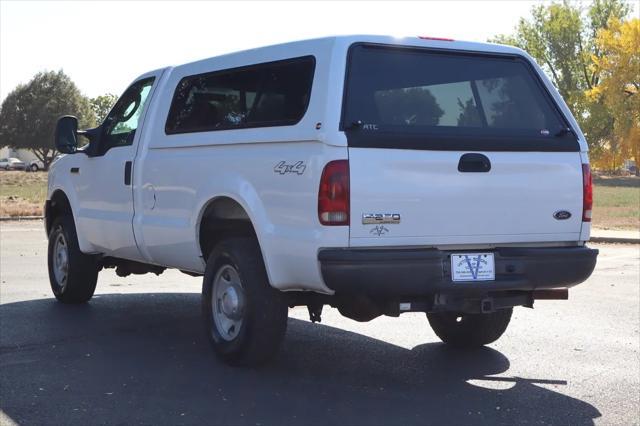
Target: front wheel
[(34, 167), (469, 330), (244, 317), (72, 274)]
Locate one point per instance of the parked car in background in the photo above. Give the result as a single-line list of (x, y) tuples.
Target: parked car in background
[(35, 166), (11, 164)]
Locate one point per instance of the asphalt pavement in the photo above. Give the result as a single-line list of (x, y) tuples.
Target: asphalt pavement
[(136, 354)]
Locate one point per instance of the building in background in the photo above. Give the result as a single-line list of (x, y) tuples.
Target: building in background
[(27, 157), (24, 155)]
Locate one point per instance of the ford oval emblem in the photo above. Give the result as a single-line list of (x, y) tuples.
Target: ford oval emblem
[(562, 215)]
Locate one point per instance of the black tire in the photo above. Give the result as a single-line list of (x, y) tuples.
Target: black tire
[(263, 308), (469, 330), (82, 269), (34, 168)]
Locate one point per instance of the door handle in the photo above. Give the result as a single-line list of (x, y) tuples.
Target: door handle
[(474, 163), (127, 173), (75, 170)]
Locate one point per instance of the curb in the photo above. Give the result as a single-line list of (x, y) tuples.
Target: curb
[(615, 240), (20, 218), (610, 240)]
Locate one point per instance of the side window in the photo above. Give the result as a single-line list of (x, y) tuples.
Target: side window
[(271, 94), (121, 124)]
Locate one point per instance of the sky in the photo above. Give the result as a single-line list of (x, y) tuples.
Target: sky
[(103, 46)]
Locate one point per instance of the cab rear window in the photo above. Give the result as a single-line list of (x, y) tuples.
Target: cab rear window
[(427, 99)]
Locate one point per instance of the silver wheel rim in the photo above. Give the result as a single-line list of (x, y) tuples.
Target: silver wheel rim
[(227, 302), (61, 260)]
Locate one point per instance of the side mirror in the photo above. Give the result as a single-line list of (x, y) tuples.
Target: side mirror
[(66, 138)]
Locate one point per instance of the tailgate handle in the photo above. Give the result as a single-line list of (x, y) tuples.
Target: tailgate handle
[(474, 163)]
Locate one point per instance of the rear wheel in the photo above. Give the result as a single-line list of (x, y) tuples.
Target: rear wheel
[(72, 274), (244, 317), (469, 330), (34, 167)]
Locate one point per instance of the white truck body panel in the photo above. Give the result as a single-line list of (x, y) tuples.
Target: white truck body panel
[(156, 219)]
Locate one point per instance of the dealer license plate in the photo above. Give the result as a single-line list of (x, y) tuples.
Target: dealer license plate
[(473, 267)]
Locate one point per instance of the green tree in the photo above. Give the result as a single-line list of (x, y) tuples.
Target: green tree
[(562, 39), (101, 105), (29, 113)]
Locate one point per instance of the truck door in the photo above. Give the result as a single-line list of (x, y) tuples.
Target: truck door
[(103, 180)]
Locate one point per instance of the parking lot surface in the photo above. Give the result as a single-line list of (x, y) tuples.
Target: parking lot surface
[(136, 354)]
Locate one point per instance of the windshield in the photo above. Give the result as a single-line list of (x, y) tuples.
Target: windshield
[(446, 96)]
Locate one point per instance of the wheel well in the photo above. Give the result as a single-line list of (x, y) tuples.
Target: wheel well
[(223, 217), (59, 205)]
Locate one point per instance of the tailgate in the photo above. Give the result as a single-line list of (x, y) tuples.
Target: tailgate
[(451, 147), (515, 201)]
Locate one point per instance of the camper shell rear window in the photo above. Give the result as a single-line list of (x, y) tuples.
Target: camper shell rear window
[(417, 98)]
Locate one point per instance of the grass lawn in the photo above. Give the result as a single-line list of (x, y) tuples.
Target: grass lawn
[(616, 202), (616, 199), (21, 193)]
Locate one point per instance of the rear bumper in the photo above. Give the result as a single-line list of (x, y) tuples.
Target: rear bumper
[(425, 272)]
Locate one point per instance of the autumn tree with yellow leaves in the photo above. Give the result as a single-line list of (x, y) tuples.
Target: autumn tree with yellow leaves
[(619, 68)]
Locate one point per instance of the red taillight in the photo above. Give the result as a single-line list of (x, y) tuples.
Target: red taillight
[(333, 197), (587, 193)]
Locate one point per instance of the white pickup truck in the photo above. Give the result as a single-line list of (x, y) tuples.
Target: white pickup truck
[(374, 174)]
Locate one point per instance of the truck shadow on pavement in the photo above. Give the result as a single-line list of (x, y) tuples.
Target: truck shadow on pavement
[(144, 359)]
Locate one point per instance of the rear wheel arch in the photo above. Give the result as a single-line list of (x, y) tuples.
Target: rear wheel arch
[(222, 217)]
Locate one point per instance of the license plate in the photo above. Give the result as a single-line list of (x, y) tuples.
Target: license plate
[(473, 267)]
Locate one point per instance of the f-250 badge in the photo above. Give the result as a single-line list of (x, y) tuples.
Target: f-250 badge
[(284, 168)]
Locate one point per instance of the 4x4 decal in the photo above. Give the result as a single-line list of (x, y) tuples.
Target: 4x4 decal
[(284, 168)]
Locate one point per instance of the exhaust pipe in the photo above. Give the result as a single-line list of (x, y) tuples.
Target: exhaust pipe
[(551, 294)]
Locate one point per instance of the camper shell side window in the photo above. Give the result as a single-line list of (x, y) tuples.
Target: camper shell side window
[(263, 95)]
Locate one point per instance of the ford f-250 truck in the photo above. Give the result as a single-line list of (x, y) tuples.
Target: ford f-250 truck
[(373, 174)]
